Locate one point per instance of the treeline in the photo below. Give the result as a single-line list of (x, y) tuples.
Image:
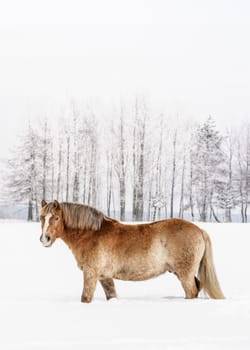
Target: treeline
[(135, 165)]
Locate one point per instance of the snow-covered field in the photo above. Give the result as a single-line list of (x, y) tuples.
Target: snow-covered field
[(40, 300)]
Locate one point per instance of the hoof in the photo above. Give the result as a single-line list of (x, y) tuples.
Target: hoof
[(112, 300), (85, 299)]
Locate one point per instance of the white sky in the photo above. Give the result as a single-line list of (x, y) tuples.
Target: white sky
[(192, 57)]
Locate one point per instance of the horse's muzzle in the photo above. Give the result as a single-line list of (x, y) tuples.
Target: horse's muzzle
[(46, 241)]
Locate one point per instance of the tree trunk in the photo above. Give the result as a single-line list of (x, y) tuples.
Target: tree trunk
[(84, 194), (230, 184), (58, 189), (76, 183), (30, 211), (149, 200), (93, 174), (109, 182), (67, 169), (138, 164), (154, 214), (52, 174), (204, 206), (181, 208), (214, 215), (45, 160), (173, 176), (141, 181), (241, 186), (191, 201), (134, 208), (247, 174), (122, 172), (122, 200)]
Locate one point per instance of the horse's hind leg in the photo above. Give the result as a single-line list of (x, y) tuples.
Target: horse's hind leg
[(198, 283), (191, 286), (109, 288)]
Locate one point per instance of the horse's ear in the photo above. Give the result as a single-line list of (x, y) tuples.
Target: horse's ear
[(43, 203), (56, 204)]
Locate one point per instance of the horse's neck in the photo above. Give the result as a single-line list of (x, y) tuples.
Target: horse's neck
[(72, 237)]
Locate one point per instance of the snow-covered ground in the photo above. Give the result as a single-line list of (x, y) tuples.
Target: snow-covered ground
[(40, 300)]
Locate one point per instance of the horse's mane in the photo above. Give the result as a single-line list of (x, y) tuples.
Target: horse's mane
[(80, 216)]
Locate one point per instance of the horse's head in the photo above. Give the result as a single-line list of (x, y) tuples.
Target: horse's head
[(51, 221)]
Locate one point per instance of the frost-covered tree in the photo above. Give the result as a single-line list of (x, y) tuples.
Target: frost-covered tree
[(59, 181), (76, 134), (141, 162), (182, 187), (227, 193), (45, 153), (191, 183), (93, 159), (120, 158), (109, 180), (208, 167), (156, 168), (243, 172), (68, 157), (22, 178), (139, 135), (173, 175)]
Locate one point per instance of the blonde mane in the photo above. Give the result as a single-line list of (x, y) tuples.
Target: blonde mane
[(82, 217), (78, 216)]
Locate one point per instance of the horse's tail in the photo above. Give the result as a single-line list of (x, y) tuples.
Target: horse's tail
[(207, 275)]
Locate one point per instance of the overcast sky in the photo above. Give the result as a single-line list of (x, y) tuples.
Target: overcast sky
[(192, 57)]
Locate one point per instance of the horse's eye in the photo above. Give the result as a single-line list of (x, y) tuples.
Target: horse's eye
[(57, 218)]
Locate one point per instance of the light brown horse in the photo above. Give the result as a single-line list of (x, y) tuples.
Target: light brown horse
[(106, 249)]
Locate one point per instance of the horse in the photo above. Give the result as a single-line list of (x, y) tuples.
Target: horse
[(106, 249)]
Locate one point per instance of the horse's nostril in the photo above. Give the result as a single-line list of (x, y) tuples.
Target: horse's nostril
[(48, 238)]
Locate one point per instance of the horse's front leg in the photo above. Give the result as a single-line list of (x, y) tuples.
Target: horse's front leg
[(90, 280), (109, 288)]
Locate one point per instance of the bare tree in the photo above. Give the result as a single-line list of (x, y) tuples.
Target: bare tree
[(45, 150), (59, 173), (139, 131), (181, 206), (67, 165), (191, 178), (243, 174), (76, 156), (91, 138), (109, 177), (120, 153), (173, 174), (158, 199)]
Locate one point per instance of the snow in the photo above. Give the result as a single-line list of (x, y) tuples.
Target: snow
[(40, 300)]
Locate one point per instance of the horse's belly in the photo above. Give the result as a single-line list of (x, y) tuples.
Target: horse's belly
[(126, 274), (139, 265), (137, 275), (142, 269)]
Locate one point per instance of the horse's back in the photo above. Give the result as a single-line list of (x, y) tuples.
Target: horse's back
[(176, 231), (179, 229)]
